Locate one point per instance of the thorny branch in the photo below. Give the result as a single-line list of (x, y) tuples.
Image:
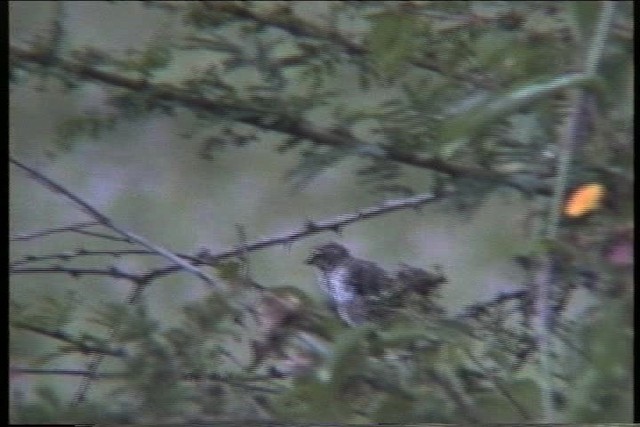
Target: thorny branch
[(265, 119), (310, 227), (140, 283), (78, 343), (69, 255), (77, 272), (298, 27), (41, 233), (466, 409), (107, 222), (234, 382)]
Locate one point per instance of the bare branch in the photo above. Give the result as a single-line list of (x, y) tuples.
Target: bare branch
[(77, 272), (311, 227), (73, 228), (80, 344), (498, 383), (78, 253), (68, 372), (48, 231), (106, 221), (242, 383), (466, 409)]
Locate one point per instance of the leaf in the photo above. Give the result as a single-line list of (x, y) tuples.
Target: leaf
[(228, 270), (585, 14), (68, 131), (527, 392), (584, 199), (48, 396), (49, 312), (349, 355), (207, 315), (496, 409), (394, 409), (314, 162), (472, 121), (392, 40), (492, 47), (310, 402)]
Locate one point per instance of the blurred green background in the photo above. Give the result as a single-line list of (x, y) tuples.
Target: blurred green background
[(147, 176)]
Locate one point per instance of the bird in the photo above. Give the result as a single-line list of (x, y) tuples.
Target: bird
[(353, 285), (420, 281)]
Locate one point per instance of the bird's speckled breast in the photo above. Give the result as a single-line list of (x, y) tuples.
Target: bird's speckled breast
[(336, 283)]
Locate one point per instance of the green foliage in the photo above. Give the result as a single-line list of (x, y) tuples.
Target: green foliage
[(71, 129), (393, 40), (49, 312), (495, 408), (135, 320), (156, 56), (313, 162), (476, 119), (349, 352), (604, 386), (476, 96), (310, 402), (585, 15)]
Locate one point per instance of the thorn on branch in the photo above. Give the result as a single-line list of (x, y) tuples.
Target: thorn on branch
[(73, 273), (66, 256), (311, 226)]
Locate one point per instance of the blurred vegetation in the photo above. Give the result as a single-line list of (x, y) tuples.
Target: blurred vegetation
[(478, 97)]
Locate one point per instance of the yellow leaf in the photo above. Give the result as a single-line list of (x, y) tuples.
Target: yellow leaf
[(584, 199)]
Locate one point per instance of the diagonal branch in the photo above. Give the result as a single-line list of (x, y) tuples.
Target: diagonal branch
[(310, 227), (268, 119), (226, 379), (53, 230), (78, 253), (107, 222), (297, 26), (78, 343), (77, 272)]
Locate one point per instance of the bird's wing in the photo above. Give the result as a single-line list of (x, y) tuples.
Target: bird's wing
[(367, 278)]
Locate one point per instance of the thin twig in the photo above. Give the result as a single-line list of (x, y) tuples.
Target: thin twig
[(497, 382), (107, 222), (78, 253), (568, 143), (81, 345), (244, 254), (297, 26), (41, 233), (77, 272), (140, 282), (311, 227), (238, 383), (467, 410), (333, 224)]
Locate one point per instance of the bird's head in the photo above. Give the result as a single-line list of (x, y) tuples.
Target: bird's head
[(327, 256)]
